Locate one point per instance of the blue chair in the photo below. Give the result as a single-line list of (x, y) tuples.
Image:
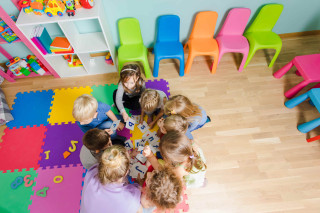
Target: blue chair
[(314, 95), (168, 44)]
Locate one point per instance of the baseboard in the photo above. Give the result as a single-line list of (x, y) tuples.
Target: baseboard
[(296, 34)]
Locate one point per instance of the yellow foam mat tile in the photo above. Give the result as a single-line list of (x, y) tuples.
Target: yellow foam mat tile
[(62, 104), (137, 134)]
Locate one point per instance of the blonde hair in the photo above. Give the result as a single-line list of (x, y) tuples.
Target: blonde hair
[(129, 71), (113, 164), (164, 188), (149, 100), (84, 107), (177, 149), (175, 123), (181, 105)]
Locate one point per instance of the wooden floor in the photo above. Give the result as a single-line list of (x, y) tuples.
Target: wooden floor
[(257, 160)]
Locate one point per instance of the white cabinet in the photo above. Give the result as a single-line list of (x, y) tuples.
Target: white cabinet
[(84, 44)]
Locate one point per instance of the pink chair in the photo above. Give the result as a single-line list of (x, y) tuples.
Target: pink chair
[(230, 38), (308, 66)]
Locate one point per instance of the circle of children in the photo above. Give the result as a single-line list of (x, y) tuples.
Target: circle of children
[(110, 159)]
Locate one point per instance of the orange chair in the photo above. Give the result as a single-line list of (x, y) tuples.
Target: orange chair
[(201, 41)]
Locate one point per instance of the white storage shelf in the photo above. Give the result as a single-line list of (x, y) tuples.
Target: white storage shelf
[(83, 44)]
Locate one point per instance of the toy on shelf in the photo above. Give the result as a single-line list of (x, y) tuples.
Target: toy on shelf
[(108, 59), (73, 61), (55, 7), (34, 65), (70, 7), (88, 4), (25, 4), (6, 33), (25, 69), (13, 66), (37, 7), (77, 4)]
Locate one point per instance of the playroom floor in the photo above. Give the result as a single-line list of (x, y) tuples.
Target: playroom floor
[(257, 160)]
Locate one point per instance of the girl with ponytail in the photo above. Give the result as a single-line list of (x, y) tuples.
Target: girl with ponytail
[(104, 188)]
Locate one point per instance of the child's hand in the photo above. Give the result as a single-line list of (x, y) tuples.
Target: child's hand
[(160, 122), (125, 116), (120, 126), (147, 151), (141, 120), (134, 153), (109, 131), (151, 125)]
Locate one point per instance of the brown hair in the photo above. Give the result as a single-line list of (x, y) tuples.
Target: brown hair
[(149, 100), (96, 139), (175, 123), (129, 71), (164, 188), (113, 164), (181, 105), (176, 149)]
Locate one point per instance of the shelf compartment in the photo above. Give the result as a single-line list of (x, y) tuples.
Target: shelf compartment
[(98, 67)]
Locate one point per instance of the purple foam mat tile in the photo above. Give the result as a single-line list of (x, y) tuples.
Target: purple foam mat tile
[(58, 140), (125, 133), (160, 84)]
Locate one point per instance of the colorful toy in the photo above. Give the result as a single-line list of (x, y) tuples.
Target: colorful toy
[(17, 182), (70, 7), (6, 33), (59, 177), (73, 61), (42, 192), (88, 4), (37, 7), (77, 4), (25, 4), (74, 147), (55, 7), (13, 66), (47, 154), (66, 154), (34, 65), (108, 59), (27, 182), (25, 70)]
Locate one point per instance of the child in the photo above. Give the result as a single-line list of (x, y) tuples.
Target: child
[(162, 191), (104, 189), (181, 105), (130, 87), (174, 123), (90, 114), (95, 141), (152, 102)]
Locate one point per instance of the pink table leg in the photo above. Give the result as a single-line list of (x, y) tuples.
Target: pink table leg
[(283, 70), (294, 90)]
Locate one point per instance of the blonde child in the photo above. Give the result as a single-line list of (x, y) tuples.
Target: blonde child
[(181, 105), (90, 114), (152, 102), (104, 189), (183, 156), (130, 87), (162, 190), (174, 123)]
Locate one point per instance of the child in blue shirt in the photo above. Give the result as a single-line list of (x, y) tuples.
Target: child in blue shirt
[(90, 114)]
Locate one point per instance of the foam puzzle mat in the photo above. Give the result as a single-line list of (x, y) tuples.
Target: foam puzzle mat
[(34, 175)]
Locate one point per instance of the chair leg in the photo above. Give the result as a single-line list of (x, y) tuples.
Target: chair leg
[(244, 59), (146, 67), (181, 69), (215, 63), (294, 90), (283, 70), (189, 63), (275, 57), (220, 56), (307, 127), (156, 66), (252, 51), (185, 47), (296, 101)]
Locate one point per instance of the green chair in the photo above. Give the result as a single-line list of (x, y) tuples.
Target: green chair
[(260, 35), (131, 44)]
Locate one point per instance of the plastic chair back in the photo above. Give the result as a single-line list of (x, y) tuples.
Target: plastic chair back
[(235, 22), (168, 28), (267, 18), (129, 31), (204, 25)]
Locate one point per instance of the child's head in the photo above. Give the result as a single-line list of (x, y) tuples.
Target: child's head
[(174, 123), (181, 105), (176, 149), (113, 164), (149, 100), (96, 139), (84, 108), (163, 188), (130, 77)]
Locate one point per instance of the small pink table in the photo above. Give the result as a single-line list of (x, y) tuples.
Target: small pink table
[(308, 66)]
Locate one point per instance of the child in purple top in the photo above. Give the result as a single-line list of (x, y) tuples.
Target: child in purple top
[(104, 189)]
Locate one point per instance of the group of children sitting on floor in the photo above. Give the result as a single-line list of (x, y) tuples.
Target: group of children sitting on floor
[(106, 187)]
